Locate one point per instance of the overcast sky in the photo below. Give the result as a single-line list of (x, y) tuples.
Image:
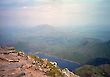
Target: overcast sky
[(54, 12)]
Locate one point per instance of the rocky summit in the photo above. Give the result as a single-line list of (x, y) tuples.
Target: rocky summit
[(14, 63)]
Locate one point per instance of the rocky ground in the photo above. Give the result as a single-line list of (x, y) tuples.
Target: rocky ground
[(15, 63)]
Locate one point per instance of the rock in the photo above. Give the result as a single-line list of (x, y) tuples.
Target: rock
[(45, 61), (13, 60), (54, 63), (14, 65), (34, 62), (20, 53), (18, 64), (67, 73), (10, 48)]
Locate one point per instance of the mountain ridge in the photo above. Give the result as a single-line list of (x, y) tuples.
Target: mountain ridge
[(14, 63)]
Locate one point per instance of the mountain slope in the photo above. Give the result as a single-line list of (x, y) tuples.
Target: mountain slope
[(87, 50), (94, 71), (15, 63)]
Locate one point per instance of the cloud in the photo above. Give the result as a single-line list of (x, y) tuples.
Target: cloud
[(16, 3), (20, 3), (55, 12)]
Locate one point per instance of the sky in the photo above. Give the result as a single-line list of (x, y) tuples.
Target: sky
[(54, 12)]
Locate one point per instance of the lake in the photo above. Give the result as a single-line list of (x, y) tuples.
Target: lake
[(62, 63)]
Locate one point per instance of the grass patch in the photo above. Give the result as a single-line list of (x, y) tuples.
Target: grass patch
[(55, 71), (36, 58)]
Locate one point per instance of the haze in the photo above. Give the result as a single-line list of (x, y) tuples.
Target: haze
[(80, 29), (59, 13)]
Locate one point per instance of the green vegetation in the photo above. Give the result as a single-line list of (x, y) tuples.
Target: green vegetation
[(55, 71), (36, 58), (92, 71)]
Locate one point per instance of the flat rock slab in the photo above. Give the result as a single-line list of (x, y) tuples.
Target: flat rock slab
[(14, 65)]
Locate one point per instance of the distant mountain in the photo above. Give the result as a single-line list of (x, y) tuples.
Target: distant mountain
[(89, 41), (98, 61), (94, 71), (87, 50), (42, 38), (75, 46)]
